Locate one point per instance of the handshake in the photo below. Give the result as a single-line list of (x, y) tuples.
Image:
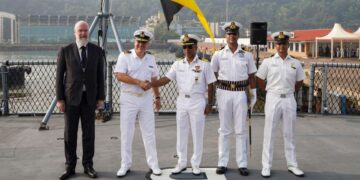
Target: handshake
[(145, 85)]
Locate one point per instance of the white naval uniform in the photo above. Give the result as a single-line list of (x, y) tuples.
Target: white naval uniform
[(192, 81), (280, 104), (232, 105), (137, 103)]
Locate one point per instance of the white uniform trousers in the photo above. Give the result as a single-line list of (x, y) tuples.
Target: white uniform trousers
[(232, 107), (190, 113), (132, 108), (279, 109)]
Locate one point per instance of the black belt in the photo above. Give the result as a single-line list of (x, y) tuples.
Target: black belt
[(232, 85)]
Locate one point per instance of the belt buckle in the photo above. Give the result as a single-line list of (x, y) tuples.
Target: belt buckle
[(232, 86), (282, 96), (187, 96), (139, 94)]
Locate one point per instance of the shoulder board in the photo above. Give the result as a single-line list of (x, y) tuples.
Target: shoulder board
[(204, 59), (272, 55), (292, 57), (242, 51), (127, 52), (222, 48), (148, 52)]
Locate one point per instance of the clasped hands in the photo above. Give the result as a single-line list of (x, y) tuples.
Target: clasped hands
[(145, 85)]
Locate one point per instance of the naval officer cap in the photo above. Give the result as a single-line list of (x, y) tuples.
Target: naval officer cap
[(281, 37), (189, 39), (143, 35), (231, 27)]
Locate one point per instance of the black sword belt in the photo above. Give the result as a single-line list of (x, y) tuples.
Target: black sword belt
[(232, 85)]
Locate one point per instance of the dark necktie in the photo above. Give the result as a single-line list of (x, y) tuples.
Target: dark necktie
[(83, 57)]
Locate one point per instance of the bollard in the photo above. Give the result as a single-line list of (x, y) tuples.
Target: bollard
[(5, 89)]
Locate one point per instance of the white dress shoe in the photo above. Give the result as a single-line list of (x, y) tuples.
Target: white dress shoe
[(196, 170), (122, 172), (178, 169), (265, 172), (296, 171), (156, 171)]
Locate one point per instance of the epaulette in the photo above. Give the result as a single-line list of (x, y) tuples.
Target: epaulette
[(292, 57), (204, 59), (272, 55), (127, 52), (148, 52), (222, 48), (242, 51)]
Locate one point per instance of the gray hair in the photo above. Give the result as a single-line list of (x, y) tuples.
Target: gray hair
[(79, 23)]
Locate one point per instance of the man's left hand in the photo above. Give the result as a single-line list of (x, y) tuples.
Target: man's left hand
[(100, 104), (208, 109), (157, 105)]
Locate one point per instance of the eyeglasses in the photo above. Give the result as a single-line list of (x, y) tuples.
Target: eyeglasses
[(187, 47)]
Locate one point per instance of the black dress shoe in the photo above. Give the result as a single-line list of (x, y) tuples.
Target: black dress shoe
[(90, 171), (67, 174), (221, 170), (244, 171)]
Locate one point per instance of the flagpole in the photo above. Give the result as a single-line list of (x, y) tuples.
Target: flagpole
[(227, 10)]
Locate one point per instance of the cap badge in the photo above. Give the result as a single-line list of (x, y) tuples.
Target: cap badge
[(281, 35), (142, 34), (186, 38), (232, 25)]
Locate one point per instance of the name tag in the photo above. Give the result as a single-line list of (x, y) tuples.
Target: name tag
[(151, 66)]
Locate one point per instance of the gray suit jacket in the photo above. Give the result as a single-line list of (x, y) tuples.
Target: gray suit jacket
[(70, 76)]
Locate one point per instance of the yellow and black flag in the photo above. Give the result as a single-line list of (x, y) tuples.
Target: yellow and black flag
[(171, 7)]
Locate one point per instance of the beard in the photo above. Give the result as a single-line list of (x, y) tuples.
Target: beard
[(82, 41)]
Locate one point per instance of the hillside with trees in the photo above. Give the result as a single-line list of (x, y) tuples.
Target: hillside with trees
[(280, 14)]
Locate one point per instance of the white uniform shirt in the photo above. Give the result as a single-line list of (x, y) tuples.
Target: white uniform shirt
[(233, 66), (191, 78), (142, 69), (281, 75)]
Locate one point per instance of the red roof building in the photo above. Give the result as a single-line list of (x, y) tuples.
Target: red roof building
[(302, 42)]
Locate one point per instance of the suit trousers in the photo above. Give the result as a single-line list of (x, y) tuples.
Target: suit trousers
[(232, 114), (190, 113), (279, 109), (141, 108), (86, 113)]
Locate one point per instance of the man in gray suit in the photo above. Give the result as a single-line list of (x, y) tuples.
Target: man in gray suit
[(79, 91)]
